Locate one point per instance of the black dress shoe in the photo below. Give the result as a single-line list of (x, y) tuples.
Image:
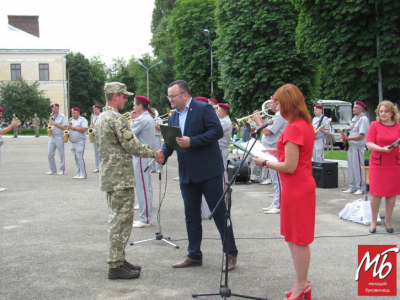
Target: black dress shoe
[(389, 230), (372, 230)]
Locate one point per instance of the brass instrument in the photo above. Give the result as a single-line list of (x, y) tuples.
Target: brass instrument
[(169, 112), (91, 131), (66, 132), (49, 127), (266, 106)]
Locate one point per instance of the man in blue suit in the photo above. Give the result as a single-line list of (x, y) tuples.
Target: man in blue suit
[(200, 168)]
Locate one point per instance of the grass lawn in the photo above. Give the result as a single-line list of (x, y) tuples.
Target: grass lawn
[(342, 155), (28, 132)]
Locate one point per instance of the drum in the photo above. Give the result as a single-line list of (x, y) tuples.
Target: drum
[(244, 172)]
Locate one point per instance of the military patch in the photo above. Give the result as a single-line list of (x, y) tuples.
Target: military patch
[(127, 134)]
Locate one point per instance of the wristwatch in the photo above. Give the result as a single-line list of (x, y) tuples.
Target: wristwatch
[(264, 164)]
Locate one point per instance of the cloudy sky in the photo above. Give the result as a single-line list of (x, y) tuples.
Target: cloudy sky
[(119, 28)]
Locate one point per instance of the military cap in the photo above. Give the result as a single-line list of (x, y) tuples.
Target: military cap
[(75, 109), (142, 99), (1, 109), (96, 106), (202, 99), (224, 106), (116, 88), (55, 104), (362, 104), (319, 106), (213, 100)]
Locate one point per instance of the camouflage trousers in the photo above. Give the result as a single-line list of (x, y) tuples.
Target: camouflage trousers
[(120, 219)]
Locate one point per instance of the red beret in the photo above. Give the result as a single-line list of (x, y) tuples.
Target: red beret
[(213, 100), (96, 106), (318, 106), (1, 109), (75, 109), (55, 104), (224, 106), (202, 99), (142, 99), (360, 103)]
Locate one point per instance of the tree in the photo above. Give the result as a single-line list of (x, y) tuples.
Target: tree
[(257, 52), (192, 48), (342, 35), (24, 100), (98, 75)]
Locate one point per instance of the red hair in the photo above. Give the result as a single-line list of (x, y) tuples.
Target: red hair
[(291, 103)]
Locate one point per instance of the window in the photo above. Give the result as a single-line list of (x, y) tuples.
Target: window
[(43, 72), (15, 71)]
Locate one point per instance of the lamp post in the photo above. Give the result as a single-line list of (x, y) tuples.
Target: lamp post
[(207, 34), (141, 62)]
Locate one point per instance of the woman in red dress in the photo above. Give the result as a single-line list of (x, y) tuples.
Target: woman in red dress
[(384, 163), (294, 151)]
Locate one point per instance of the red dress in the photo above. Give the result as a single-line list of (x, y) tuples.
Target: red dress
[(384, 168), (298, 189)]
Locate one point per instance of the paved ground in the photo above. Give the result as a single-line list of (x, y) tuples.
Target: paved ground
[(53, 233)]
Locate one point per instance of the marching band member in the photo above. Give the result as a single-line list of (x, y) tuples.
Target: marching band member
[(116, 145), (59, 123), (270, 138), (322, 133), (14, 123), (77, 136), (96, 112), (143, 129), (225, 141), (214, 103), (355, 154)]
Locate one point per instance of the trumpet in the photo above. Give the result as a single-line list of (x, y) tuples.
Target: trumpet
[(264, 113), (90, 131), (66, 132), (50, 128), (169, 112)]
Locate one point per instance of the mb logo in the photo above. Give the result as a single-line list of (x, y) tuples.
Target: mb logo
[(377, 270)]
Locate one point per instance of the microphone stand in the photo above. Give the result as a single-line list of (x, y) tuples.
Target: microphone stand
[(225, 291), (159, 236)]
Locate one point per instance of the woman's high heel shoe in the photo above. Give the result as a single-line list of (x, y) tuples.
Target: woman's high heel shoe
[(290, 292), (389, 230), (306, 294)]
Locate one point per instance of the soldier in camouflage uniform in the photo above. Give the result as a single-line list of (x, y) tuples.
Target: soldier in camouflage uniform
[(15, 129), (36, 125), (116, 145)]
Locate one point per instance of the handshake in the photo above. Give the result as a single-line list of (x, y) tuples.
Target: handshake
[(160, 158)]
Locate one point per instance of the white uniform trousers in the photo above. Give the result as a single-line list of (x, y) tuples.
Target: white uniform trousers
[(96, 154), (277, 187), (0, 166), (318, 150), (78, 150), (355, 160), (56, 143), (144, 188)]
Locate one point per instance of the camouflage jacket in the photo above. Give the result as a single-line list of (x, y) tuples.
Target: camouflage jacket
[(116, 144), (36, 122)]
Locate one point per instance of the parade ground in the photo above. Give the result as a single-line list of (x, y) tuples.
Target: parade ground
[(53, 238)]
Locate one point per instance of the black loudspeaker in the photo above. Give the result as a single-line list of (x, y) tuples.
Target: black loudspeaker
[(244, 173), (325, 174)]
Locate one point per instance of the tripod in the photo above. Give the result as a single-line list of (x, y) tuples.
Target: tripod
[(225, 291), (159, 236)]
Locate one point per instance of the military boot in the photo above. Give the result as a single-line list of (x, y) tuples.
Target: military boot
[(122, 272), (132, 267)]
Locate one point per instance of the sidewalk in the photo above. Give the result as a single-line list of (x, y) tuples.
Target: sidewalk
[(53, 238)]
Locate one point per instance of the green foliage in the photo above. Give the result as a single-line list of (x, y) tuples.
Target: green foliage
[(24, 100), (86, 81), (342, 36), (192, 47), (257, 52)]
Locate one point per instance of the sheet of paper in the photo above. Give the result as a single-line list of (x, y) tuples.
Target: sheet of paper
[(257, 149)]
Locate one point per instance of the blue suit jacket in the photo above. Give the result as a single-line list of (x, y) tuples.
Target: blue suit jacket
[(203, 159)]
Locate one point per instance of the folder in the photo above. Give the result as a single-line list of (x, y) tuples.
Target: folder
[(170, 133)]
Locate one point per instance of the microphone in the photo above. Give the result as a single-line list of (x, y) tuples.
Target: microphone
[(256, 132)]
